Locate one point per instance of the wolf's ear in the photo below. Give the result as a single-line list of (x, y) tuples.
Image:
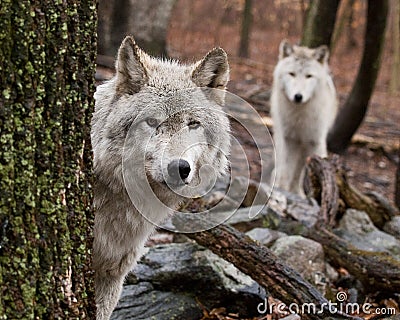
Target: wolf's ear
[(321, 54), (131, 74), (285, 49), (213, 70)]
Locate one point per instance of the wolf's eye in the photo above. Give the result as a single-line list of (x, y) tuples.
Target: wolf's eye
[(193, 124), (309, 76), (292, 74), (152, 122)]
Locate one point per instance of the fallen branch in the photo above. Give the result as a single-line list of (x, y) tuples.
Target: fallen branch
[(328, 184), (376, 270), (379, 212), (263, 266), (322, 187)]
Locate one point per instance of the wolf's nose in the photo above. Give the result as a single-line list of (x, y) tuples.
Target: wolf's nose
[(298, 97), (179, 169)]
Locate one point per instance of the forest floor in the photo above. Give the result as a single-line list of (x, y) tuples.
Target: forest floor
[(199, 26)]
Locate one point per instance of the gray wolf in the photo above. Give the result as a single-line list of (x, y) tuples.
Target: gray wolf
[(303, 108), (153, 115)]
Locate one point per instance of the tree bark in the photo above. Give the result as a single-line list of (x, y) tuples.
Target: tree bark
[(47, 55), (355, 107), (377, 271), (378, 212), (321, 177), (327, 183), (245, 31), (320, 23)]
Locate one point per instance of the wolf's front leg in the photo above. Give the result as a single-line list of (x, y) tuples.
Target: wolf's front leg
[(108, 289), (109, 279)]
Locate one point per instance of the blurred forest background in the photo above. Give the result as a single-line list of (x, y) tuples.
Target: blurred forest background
[(250, 32)]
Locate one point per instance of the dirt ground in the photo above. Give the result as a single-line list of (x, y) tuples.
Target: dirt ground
[(198, 26)]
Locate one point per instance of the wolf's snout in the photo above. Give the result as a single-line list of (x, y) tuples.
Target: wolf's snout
[(179, 169), (298, 97)]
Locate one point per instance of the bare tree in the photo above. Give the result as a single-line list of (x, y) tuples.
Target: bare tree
[(395, 78), (146, 20), (47, 54), (397, 186), (343, 22), (245, 31), (320, 23), (355, 107)]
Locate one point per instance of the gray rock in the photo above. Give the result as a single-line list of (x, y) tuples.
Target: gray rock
[(331, 273), (238, 188), (220, 199), (305, 211), (258, 193), (265, 236), (293, 316), (188, 270), (393, 227), (218, 193), (142, 302), (305, 256), (222, 183), (284, 211), (249, 218), (249, 192), (357, 228)]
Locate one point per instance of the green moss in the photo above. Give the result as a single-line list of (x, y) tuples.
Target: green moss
[(46, 72)]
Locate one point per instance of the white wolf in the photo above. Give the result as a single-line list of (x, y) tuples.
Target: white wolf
[(173, 131), (303, 108)]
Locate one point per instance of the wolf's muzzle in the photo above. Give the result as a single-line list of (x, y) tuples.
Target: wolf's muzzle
[(178, 170), (298, 97)]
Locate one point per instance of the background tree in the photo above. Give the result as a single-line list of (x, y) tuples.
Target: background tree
[(344, 23), (245, 29), (47, 54), (395, 79), (356, 105), (146, 20), (320, 23), (397, 186)]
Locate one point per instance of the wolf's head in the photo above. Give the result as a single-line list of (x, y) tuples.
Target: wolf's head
[(300, 70), (162, 117)]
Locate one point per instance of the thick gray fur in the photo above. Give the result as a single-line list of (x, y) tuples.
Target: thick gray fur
[(156, 104)]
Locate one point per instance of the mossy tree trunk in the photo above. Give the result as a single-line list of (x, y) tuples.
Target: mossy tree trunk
[(47, 52), (320, 23), (356, 105)]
